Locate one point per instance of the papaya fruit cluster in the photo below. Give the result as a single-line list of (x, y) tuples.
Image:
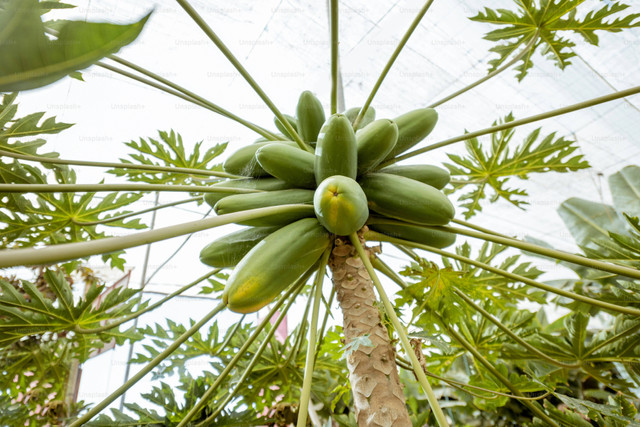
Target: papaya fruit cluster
[(343, 185)]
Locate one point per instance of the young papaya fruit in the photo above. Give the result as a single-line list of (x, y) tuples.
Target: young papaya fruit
[(266, 184), (243, 161), (340, 205), (244, 202), (274, 265), (428, 174), (406, 199), (413, 127), (375, 141), (436, 238), (290, 164), (310, 116), (336, 150), (292, 121), (228, 250), (369, 116)]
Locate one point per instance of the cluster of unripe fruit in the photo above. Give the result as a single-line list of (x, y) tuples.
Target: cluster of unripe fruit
[(342, 184)]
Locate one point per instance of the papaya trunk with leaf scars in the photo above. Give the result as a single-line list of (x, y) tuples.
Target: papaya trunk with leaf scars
[(377, 393)]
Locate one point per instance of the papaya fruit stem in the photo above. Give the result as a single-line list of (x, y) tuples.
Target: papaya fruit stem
[(404, 339)]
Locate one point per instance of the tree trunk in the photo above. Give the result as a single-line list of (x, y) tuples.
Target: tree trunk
[(375, 384)]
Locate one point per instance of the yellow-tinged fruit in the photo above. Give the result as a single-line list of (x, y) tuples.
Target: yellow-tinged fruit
[(340, 205), (228, 250), (406, 199), (336, 150), (274, 264)]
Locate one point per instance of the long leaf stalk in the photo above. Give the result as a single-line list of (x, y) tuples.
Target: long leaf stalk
[(302, 331), (513, 336), (305, 395), (382, 267), (147, 368), (186, 94), (530, 247), (478, 228), (292, 292), (67, 251), (391, 61), (404, 339), (325, 319), (233, 332), (515, 277), (137, 213), (508, 125), (334, 56), (245, 74), (462, 386), (213, 107), (494, 73), (80, 330), (94, 188), (489, 366), (207, 105), (249, 369), (631, 330), (122, 165)]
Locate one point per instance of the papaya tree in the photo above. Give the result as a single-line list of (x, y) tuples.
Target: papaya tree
[(327, 193)]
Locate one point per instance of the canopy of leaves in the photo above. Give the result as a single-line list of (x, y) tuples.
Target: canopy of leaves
[(493, 168), (169, 151), (38, 345), (30, 59), (542, 21)]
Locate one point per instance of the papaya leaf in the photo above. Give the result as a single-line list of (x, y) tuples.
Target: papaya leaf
[(169, 151), (23, 127), (589, 221), (606, 414), (27, 311), (542, 21), (625, 190), (493, 169), (52, 218), (29, 59)]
